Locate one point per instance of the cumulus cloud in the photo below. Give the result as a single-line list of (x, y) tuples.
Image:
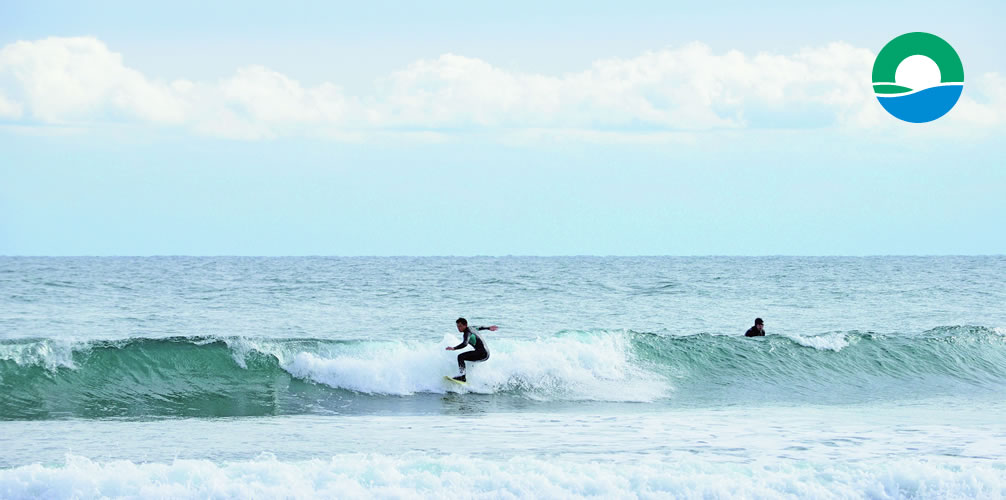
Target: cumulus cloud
[(68, 79), (658, 95), (9, 109)]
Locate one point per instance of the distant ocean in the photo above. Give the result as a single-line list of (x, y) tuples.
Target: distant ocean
[(613, 377)]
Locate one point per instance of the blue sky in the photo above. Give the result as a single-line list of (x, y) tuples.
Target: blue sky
[(462, 129)]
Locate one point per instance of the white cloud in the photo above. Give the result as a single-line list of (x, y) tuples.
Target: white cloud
[(267, 96), (69, 79), (657, 96), (984, 101), (9, 109)]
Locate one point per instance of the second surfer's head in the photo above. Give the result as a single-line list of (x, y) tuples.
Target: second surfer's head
[(462, 324)]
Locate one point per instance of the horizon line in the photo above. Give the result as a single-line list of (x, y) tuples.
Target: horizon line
[(472, 256)]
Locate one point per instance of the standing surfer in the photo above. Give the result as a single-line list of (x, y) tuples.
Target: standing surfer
[(470, 337)]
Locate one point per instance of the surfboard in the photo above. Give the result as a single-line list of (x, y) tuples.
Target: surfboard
[(449, 379)]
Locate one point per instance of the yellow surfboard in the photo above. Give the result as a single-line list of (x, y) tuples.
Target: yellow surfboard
[(449, 379)]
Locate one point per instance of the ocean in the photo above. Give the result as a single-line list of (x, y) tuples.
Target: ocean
[(609, 377)]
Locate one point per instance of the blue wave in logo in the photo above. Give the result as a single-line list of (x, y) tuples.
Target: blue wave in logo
[(924, 105)]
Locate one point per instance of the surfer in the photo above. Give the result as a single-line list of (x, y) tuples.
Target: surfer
[(758, 330), (470, 337)]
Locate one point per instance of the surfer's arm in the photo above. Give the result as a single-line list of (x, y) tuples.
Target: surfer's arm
[(462, 345), (490, 328)]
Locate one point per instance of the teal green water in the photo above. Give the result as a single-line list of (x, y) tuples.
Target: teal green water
[(880, 377), (207, 377)]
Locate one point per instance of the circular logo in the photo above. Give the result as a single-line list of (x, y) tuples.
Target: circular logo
[(918, 77)]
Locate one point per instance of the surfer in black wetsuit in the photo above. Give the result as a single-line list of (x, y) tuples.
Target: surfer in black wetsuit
[(470, 337), (758, 330)]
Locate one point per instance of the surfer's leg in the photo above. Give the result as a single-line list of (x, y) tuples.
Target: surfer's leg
[(471, 356), (461, 365)]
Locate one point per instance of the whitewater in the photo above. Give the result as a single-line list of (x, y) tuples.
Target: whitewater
[(221, 377)]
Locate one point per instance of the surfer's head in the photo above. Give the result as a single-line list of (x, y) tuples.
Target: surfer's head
[(462, 324)]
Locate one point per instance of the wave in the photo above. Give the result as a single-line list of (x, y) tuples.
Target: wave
[(207, 376), (415, 475)]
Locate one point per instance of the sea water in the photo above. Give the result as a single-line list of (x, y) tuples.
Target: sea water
[(226, 377)]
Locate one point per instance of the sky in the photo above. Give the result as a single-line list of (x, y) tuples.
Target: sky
[(381, 128)]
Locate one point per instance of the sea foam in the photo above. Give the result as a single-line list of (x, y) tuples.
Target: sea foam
[(569, 367), (416, 475)]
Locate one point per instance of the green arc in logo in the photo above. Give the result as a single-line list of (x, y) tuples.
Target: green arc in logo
[(912, 44)]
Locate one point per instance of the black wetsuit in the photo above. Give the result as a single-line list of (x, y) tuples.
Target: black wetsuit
[(754, 332), (479, 354)]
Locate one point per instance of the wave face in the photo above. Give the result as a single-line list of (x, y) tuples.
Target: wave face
[(211, 377)]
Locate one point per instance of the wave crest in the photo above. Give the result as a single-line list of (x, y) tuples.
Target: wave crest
[(205, 376)]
